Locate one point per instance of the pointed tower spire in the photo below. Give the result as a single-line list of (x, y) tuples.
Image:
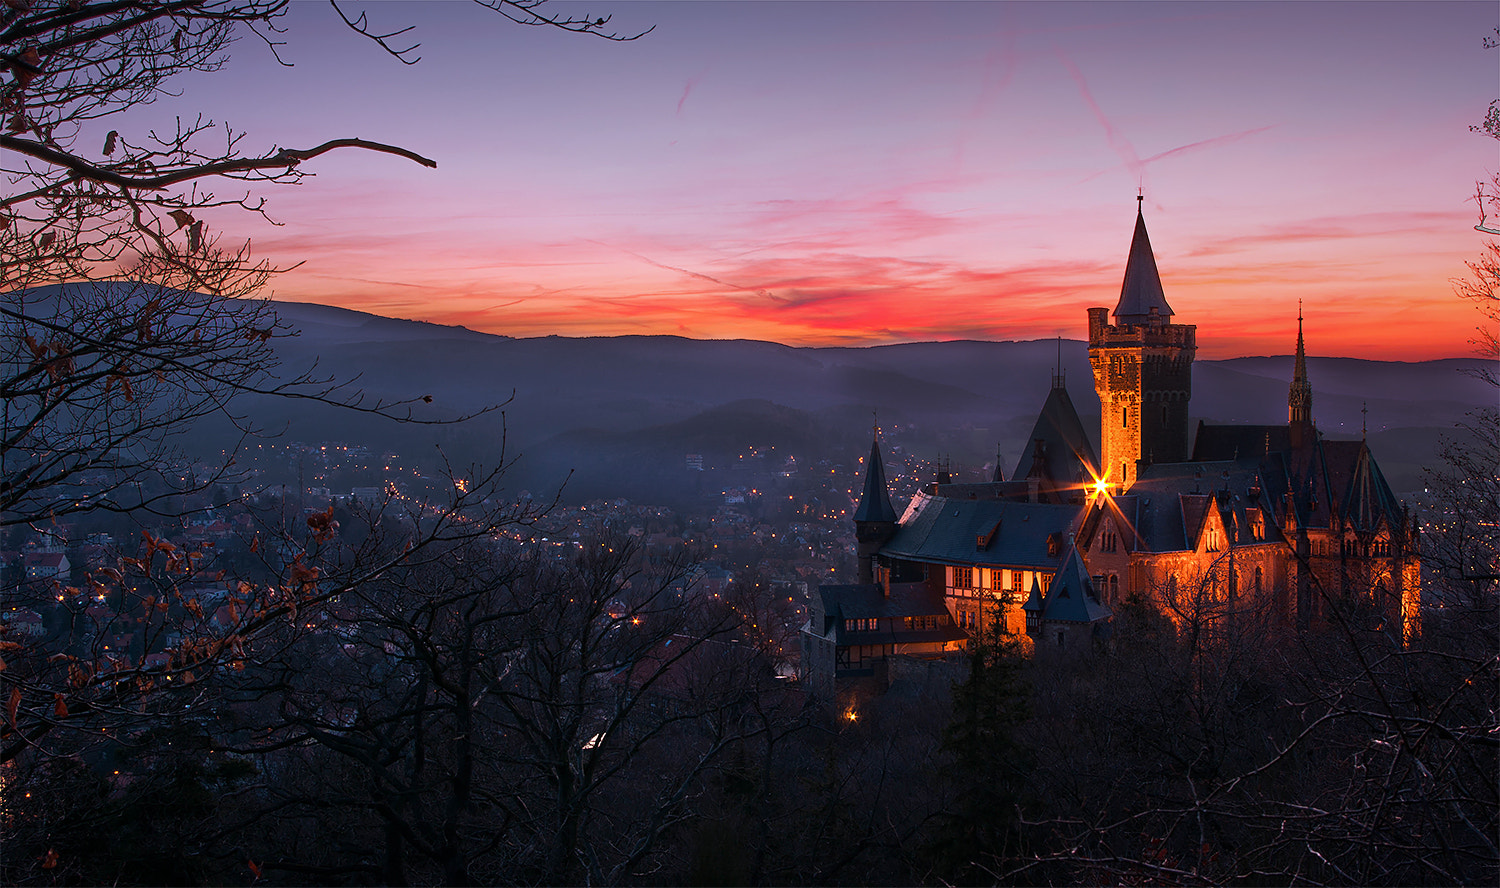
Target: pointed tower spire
[(875, 501), (875, 519), (1299, 401), (1059, 377), (1141, 298)]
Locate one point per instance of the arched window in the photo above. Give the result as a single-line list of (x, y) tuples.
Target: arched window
[(1257, 581)]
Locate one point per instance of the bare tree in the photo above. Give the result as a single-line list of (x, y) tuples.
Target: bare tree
[(92, 197), (488, 712), (124, 319)]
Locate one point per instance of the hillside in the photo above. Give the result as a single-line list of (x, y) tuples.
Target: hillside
[(628, 408)]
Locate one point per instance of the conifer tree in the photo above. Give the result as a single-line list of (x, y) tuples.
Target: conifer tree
[(986, 761)]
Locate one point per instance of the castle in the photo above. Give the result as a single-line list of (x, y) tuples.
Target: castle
[(1269, 518)]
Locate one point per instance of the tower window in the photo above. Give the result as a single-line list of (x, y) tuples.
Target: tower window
[(1124, 417), (1164, 416)]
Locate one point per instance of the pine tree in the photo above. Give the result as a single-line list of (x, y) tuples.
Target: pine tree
[(986, 762)]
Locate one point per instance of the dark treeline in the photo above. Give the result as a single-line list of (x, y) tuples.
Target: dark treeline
[(414, 707)]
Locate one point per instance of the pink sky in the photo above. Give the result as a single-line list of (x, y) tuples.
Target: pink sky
[(863, 173)]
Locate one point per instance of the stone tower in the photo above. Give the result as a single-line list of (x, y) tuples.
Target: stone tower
[(875, 518), (1143, 370)]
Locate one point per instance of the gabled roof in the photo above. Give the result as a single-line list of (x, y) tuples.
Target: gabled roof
[(1122, 512), (1067, 457), (875, 501), (1169, 502), (941, 530), (1141, 290), (1195, 510)]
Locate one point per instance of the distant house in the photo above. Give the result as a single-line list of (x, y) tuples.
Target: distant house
[(47, 566), (23, 621)]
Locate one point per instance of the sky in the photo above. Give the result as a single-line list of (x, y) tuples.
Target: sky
[(865, 173)]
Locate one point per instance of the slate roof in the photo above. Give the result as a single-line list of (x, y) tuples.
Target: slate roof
[(1067, 457), (1369, 498), (1169, 502), (1324, 482), (875, 501), (943, 530), (1217, 442), (1141, 290), (1328, 478), (1071, 597), (868, 600)]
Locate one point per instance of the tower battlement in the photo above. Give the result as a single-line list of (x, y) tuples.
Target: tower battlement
[(1153, 334)]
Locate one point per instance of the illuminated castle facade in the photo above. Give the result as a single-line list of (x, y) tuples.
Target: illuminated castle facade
[(1270, 519)]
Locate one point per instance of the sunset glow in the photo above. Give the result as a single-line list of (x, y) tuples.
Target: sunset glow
[(849, 174)]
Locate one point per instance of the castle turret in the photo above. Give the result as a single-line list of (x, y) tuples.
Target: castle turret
[(875, 518), (1299, 401), (1143, 370)]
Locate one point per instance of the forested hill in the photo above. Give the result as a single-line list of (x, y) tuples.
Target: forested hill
[(575, 403)]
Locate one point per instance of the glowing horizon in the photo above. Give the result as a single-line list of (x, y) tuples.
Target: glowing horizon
[(862, 174)]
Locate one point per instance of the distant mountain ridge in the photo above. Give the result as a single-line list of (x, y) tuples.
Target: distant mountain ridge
[(587, 402), (622, 412)]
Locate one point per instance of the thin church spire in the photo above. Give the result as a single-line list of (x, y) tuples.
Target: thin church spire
[(1299, 399)]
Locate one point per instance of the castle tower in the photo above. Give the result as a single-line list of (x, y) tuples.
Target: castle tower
[(875, 518), (1299, 401), (1143, 370)]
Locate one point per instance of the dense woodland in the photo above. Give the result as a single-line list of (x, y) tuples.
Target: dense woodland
[(414, 692), (478, 712)]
